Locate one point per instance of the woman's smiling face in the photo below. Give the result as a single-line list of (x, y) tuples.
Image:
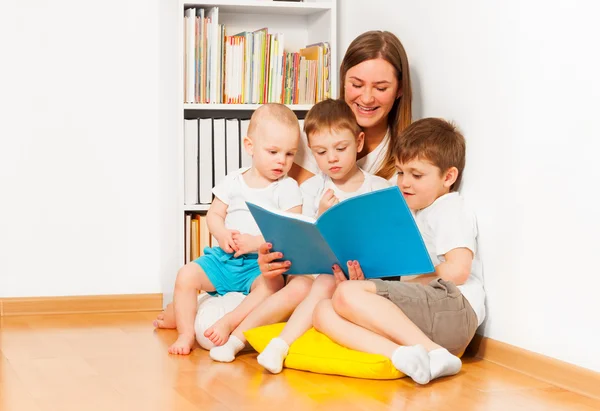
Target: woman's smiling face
[(371, 88)]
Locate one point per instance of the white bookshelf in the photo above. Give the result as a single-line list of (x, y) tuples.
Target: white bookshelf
[(195, 208), (236, 107), (298, 8), (302, 23)]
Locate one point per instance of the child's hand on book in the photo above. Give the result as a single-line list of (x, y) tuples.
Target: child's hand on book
[(226, 241), (354, 272), (246, 243), (327, 201)]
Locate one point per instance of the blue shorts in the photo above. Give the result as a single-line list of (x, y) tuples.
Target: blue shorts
[(227, 273)]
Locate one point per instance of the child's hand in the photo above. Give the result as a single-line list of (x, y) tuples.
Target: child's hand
[(246, 243), (226, 241), (354, 272), (328, 200), (338, 274)]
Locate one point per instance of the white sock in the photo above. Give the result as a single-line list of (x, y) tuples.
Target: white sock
[(273, 355), (227, 351), (442, 363), (414, 362)]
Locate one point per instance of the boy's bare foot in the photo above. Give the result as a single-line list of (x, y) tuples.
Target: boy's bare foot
[(183, 345), (220, 331), (165, 319)]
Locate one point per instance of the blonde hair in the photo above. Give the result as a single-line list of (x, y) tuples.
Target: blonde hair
[(331, 115), (385, 45), (272, 112), (435, 140)]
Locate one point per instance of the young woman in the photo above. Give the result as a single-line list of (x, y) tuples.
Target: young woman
[(375, 83)]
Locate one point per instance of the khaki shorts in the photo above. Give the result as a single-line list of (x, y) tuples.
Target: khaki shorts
[(439, 309)]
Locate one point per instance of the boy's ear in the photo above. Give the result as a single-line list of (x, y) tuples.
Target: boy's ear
[(248, 146), (360, 142), (450, 176)]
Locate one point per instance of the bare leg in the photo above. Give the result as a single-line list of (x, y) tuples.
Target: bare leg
[(358, 302), (262, 288), (276, 307), (412, 361), (348, 334), (190, 279), (301, 321)]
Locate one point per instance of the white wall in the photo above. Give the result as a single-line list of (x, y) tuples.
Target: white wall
[(80, 182), (524, 89)]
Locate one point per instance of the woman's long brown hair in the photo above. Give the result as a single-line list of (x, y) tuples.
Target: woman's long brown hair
[(384, 45)]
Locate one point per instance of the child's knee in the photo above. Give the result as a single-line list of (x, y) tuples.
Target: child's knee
[(324, 286), (320, 313), (268, 286), (345, 296), (298, 288), (188, 276)]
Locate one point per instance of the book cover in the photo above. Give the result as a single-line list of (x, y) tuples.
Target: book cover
[(377, 229)]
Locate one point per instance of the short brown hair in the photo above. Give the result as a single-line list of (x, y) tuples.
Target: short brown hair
[(435, 140), (331, 115)]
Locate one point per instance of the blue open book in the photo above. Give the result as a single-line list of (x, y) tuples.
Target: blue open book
[(376, 229)]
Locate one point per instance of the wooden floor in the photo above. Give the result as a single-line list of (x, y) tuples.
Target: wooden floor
[(119, 362)]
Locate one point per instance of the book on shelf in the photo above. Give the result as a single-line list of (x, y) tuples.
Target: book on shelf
[(190, 161), (188, 238), (219, 149), (205, 160), (197, 236), (249, 66), (232, 135), (377, 229), (246, 159)]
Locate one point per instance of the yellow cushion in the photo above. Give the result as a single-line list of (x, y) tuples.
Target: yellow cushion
[(317, 353)]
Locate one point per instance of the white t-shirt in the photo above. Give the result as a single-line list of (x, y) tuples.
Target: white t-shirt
[(370, 163), (282, 194), (448, 224), (313, 189)]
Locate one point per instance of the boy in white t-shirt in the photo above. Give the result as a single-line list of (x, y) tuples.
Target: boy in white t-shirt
[(420, 323), (272, 141), (334, 138)]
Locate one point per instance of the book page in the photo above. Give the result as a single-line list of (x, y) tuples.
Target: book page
[(297, 237), (378, 230)]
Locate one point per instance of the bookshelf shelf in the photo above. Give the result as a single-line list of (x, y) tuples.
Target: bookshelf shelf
[(224, 107), (265, 7), (195, 207)]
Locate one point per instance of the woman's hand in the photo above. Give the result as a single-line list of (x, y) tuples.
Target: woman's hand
[(354, 272), (265, 262)]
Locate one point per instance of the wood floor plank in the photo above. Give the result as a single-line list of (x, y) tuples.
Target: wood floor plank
[(119, 362)]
